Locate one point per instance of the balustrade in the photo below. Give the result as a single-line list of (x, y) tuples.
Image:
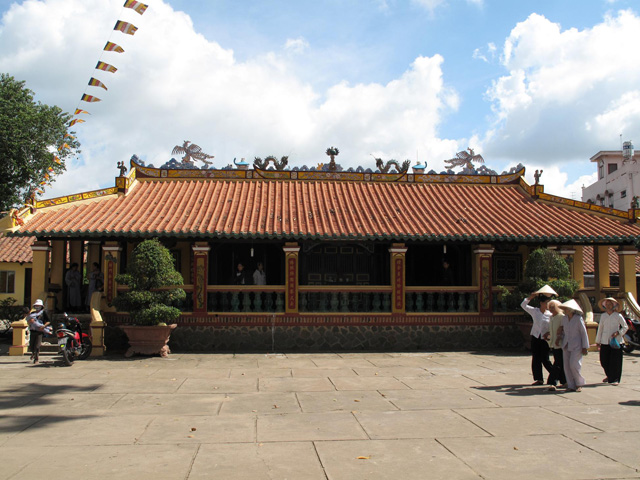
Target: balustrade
[(345, 299), (246, 299), (426, 300)]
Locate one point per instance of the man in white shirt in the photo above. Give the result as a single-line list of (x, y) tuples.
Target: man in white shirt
[(539, 336)]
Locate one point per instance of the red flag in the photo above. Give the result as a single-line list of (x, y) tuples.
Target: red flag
[(137, 6), (76, 120), (89, 98), (106, 67), (125, 27), (112, 47), (94, 82), (78, 112)]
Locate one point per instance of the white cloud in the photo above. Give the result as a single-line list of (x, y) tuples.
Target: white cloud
[(173, 85), (296, 45), (560, 85)]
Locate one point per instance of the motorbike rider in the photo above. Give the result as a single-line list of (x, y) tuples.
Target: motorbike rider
[(38, 321)]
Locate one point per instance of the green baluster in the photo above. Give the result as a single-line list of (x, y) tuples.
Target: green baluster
[(441, 302), (419, 302), (376, 302), (268, 302), (344, 301), (334, 302), (257, 301), (235, 302), (279, 302), (430, 302), (302, 298), (323, 302), (386, 302), (462, 301), (473, 302)]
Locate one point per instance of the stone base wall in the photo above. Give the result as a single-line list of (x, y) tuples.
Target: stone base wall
[(344, 338)]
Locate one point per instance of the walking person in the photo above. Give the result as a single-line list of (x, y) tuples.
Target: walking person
[(611, 330), (555, 324), (575, 344), (540, 333), (38, 321)]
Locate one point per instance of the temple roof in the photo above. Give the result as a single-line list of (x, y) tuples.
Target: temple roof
[(16, 250), (327, 205)]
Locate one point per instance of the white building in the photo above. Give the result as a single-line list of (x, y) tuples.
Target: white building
[(618, 178)]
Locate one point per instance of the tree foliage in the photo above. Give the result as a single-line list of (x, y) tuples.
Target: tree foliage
[(30, 133), (154, 285)]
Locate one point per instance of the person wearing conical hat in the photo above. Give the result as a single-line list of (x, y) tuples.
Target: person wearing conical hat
[(555, 324), (540, 333), (612, 327), (575, 343)]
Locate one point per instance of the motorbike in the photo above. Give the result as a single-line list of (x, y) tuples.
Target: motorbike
[(73, 344), (632, 337)]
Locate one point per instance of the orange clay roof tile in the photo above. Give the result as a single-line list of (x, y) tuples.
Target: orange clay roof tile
[(327, 209), (17, 250)]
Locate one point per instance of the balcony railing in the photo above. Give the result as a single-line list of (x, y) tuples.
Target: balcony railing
[(245, 298), (441, 299), (345, 298)]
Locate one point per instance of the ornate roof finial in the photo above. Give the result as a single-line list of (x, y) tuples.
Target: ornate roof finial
[(123, 169), (464, 159), (537, 176), (191, 152), (332, 152)]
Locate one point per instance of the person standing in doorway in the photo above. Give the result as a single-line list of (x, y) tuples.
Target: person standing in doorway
[(96, 282), (240, 276), (259, 276), (73, 280)]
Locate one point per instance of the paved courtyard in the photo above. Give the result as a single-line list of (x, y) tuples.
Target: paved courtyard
[(456, 415)]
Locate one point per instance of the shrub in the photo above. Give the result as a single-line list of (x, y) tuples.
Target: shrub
[(153, 286)]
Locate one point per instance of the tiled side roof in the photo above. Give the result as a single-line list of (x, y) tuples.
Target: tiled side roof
[(16, 250), (588, 260), (326, 209)]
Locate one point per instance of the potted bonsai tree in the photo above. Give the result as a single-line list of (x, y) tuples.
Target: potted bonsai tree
[(154, 289)]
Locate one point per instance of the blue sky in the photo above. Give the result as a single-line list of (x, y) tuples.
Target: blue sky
[(543, 83)]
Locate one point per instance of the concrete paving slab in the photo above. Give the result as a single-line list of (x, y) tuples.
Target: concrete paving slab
[(534, 457), (303, 384), (141, 385), (12, 424), (602, 394), (417, 424), (431, 382), (391, 372), (199, 429), (323, 372), (619, 446), (626, 418), (122, 462), (340, 362), (285, 362), (307, 427), (167, 404), (368, 383), (523, 396), (435, 399), (196, 372), (422, 459), (344, 401), (219, 385), (259, 372), (252, 403), (516, 421), (85, 430), (262, 461), (71, 403)]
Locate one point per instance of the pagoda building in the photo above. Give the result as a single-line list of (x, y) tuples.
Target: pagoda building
[(360, 259)]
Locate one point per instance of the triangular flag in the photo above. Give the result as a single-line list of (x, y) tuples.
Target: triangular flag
[(57, 160), (137, 6), (106, 67), (112, 47), (125, 27), (68, 134), (89, 98), (63, 146), (94, 82), (78, 112), (76, 120)]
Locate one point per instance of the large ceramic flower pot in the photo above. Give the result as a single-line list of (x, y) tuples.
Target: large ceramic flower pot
[(148, 340)]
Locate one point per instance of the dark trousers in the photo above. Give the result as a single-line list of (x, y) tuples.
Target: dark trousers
[(557, 374), (611, 361), (540, 358), (35, 341)]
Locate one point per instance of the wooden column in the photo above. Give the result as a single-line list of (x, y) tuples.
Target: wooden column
[(58, 267), (76, 253), (93, 255), (577, 268), (200, 276), (110, 265), (40, 271), (484, 277), (291, 250), (627, 264), (398, 255), (601, 269)]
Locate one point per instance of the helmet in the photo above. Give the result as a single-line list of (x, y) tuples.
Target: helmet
[(38, 303)]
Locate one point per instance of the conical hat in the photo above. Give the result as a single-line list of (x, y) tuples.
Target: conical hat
[(546, 290), (616, 304), (571, 305)]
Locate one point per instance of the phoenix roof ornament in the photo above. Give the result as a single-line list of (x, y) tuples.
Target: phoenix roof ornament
[(191, 152), (464, 159)]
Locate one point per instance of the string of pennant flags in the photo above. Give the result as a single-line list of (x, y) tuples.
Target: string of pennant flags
[(120, 26)]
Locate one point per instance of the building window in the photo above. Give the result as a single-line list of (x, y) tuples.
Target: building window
[(7, 281), (623, 194), (600, 170), (612, 167)]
